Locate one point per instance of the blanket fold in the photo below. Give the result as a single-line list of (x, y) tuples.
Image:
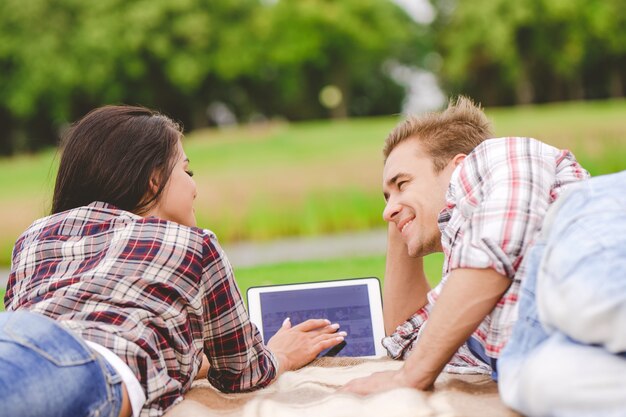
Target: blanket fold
[(311, 391)]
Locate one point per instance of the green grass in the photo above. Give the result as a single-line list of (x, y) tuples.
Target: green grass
[(309, 271), (293, 272), (262, 182)]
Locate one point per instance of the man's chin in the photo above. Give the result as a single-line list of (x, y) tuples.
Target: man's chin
[(418, 254), (423, 250)]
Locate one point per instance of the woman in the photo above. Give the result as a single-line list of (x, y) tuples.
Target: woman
[(114, 298)]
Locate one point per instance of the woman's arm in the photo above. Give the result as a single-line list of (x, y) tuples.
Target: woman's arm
[(240, 361), (204, 368)]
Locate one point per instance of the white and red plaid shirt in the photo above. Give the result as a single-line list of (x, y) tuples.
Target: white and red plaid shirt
[(495, 205)]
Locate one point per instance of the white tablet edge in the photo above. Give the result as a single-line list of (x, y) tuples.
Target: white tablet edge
[(373, 291)]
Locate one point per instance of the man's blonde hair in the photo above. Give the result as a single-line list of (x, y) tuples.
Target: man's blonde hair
[(458, 129)]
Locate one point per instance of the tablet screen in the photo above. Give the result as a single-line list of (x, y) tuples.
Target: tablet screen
[(347, 305)]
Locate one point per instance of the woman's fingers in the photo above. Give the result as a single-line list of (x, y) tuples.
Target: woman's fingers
[(298, 345), (317, 326), (312, 324), (332, 328), (331, 336), (327, 342)]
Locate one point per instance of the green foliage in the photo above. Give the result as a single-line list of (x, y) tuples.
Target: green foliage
[(533, 50), (61, 59)]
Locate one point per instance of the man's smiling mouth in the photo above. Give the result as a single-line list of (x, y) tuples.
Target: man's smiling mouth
[(402, 226)]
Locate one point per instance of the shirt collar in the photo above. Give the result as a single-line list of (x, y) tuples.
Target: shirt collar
[(446, 213)]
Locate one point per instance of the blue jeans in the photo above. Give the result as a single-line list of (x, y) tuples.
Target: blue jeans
[(566, 355), (47, 371)]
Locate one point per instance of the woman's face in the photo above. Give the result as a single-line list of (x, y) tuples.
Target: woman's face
[(176, 200)]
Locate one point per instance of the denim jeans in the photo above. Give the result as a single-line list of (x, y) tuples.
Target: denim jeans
[(47, 371), (566, 355)]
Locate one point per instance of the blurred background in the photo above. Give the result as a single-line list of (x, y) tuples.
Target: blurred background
[(286, 103)]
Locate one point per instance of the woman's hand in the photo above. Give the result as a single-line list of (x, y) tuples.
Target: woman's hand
[(296, 346)]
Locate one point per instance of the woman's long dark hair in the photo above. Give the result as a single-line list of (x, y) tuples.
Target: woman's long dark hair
[(110, 155)]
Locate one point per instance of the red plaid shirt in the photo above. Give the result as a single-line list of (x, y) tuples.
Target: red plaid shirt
[(495, 205), (154, 292)]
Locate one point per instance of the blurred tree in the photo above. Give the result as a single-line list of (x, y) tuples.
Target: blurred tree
[(60, 59), (504, 52), (605, 63), (311, 44)]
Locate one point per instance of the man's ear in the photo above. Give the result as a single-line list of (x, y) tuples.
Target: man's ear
[(458, 158)]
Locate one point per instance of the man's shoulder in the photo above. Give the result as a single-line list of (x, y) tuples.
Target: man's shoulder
[(514, 147), (504, 160), (497, 153)]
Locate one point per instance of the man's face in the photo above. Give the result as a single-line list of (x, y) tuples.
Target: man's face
[(415, 196)]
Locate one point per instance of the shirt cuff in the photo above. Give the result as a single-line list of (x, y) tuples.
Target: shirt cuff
[(400, 343)]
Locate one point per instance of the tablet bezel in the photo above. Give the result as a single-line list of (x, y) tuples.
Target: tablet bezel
[(373, 290)]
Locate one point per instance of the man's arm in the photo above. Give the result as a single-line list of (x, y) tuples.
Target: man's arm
[(468, 296), (405, 286)]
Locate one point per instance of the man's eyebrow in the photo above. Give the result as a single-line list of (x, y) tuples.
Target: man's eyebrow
[(395, 178), (186, 160)]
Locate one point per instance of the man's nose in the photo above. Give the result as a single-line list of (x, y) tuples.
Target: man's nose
[(391, 210)]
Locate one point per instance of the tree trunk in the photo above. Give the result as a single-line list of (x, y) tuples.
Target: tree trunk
[(340, 79), (577, 91), (616, 86), (524, 90)]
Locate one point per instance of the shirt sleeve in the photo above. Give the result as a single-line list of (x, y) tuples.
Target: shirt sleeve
[(501, 192), (400, 343), (239, 359)]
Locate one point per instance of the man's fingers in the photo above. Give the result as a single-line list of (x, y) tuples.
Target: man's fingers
[(312, 324), (355, 387)]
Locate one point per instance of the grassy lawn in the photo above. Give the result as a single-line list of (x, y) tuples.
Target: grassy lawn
[(292, 272), (279, 179)]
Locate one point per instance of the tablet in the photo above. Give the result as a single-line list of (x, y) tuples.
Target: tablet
[(355, 304)]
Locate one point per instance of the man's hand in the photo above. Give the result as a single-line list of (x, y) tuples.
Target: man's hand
[(377, 382), (405, 286), (296, 346), (468, 296)]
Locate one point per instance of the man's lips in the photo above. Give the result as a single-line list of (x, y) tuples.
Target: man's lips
[(405, 223)]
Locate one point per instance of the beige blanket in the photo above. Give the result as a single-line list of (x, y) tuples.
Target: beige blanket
[(311, 391)]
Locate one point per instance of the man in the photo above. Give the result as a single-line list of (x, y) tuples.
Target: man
[(482, 203), (567, 353)]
